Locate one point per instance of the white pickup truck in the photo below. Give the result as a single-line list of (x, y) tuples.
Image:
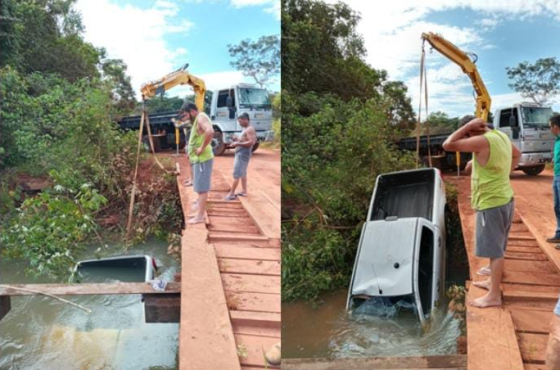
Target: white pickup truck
[(401, 255)]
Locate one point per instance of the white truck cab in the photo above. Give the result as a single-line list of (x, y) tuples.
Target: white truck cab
[(526, 124), (228, 103), (401, 254)]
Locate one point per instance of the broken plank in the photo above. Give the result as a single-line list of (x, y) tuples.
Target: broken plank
[(86, 289), (162, 308), (251, 283)]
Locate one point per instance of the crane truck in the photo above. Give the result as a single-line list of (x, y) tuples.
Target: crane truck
[(223, 106), (526, 124)]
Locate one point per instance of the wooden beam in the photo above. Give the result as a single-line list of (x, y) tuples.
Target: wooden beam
[(362, 363), (5, 306), (87, 289)]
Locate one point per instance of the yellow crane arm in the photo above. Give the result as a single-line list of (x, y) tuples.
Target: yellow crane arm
[(459, 57), (178, 77)]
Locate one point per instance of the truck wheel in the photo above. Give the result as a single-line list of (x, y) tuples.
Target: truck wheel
[(533, 171), (255, 147), (218, 145)]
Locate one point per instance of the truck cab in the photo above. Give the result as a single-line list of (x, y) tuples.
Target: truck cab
[(400, 263), (228, 103), (526, 124)]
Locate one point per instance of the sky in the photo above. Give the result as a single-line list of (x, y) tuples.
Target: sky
[(156, 37), (502, 33)]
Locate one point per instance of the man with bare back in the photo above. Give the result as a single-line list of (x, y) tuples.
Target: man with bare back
[(494, 157), (243, 149)]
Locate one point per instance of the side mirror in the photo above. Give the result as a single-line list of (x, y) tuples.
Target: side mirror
[(512, 121), (229, 102)]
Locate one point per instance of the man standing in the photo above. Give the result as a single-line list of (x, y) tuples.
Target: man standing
[(494, 157), (243, 149), (184, 124), (201, 158), (554, 123)]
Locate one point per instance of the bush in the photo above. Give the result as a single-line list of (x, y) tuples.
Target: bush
[(331, 156)]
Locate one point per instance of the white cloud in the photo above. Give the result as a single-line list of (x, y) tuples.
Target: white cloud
[(273, 5), (392, 37), (135, 35)]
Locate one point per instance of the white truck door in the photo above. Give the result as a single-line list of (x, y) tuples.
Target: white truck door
[(424, 269), (502, 122)]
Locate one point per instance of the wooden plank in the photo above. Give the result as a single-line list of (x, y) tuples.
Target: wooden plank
[(507, 287), (206, 335), (250, 253), (531, 296), (521, 237), (238, 229), (239, 266), (262, 302), (251, 283), (217, 237), (491, 339), (530, 266), (87, 289), (231, 220), (533, 347), (256, 316), (526, 256), (5, 306), (255, 348), (531, 278), (376, 363), (531, 321), (259, 329), (522, 243), (523, 249)]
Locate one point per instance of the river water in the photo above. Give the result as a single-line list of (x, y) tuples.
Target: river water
[(40, 333)]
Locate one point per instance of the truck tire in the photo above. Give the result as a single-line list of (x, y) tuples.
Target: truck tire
[(255, 147), (533, 171), (218, 145)]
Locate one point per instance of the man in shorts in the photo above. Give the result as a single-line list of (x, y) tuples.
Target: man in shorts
[(243, 149), (201, 157), (494, 157)]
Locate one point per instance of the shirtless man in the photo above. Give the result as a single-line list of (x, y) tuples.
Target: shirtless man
[(491, 196), (243, 150)]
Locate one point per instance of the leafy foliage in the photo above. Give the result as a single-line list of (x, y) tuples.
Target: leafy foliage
[(257, 59), (539, 81), (340, 121), (49, 228)]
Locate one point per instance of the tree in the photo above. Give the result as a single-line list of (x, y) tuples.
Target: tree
[(114, 73), (257, 59), (539, 81)]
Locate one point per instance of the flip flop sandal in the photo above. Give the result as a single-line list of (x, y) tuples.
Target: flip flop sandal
[(484, 271), (230, 197), (241, 194)]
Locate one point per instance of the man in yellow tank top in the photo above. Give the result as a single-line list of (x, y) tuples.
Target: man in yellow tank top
[(494, 157), (201, 157)]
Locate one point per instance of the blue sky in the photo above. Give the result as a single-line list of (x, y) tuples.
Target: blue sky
[(501, 33), (155, 37)]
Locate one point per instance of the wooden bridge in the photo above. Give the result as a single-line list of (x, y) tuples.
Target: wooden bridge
[(515, 335)]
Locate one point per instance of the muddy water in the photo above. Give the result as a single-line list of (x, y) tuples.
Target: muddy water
[(326, 331), (43, 334)]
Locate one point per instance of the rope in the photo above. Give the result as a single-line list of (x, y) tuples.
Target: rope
[(423, 84)]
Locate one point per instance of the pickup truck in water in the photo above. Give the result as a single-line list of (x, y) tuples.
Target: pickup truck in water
[(223, 107), (400, 262), (526, 124)]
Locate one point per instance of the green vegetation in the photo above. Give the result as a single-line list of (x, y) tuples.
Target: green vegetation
[(60, 100), (340, 120), (539, 81), (257, 59)]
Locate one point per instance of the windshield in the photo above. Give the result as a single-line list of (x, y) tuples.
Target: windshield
[(536, 117), (252, 97)]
